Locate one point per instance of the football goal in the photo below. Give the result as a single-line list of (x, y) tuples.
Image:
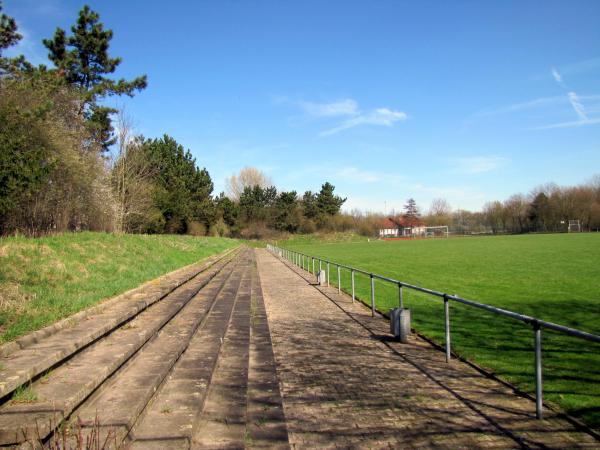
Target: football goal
[(434, 232), (574, 226)]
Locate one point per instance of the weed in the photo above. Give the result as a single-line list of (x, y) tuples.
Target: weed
[(166, 409), (24, 394), (45, 378)]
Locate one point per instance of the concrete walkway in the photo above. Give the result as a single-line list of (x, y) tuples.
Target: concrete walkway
[(344, 383)]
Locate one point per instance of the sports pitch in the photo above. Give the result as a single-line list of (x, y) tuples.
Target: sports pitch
[(554, 277)]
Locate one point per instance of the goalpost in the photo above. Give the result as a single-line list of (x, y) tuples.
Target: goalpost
[(439, 231), (420, 232), (574, 226)]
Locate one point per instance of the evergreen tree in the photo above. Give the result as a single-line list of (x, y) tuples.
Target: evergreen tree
[(183, 191), (327, 203), (309, 205), (256, 203), (539, 212), (8, 31), (228, 209), (286, 217), (411, 213), (83, 61)]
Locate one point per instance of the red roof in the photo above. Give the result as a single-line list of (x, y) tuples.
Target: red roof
[(387, 223), (400, 222)]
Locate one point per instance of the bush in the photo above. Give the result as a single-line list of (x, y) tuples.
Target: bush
[(52, 175), (195, 228)]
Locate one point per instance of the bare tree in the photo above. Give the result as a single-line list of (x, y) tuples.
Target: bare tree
[(132, 179), (247, 177), (440, 212)]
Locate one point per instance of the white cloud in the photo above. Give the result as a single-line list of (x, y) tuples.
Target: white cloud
[(345, 107), (577, 106), (556, 75), (478, 164), (380, 116)]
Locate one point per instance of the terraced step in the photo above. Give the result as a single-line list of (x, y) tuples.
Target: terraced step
[(38, 352), (60, 391), (169, 419), (222, 422), (119, 402), (265, 421), (223, 392)]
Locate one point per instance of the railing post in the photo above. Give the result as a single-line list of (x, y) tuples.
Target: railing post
[(327, 274), (447, 322), (353, 292), (400, 298), (339, 280), (372, 296), (538, 371), (320, 267)]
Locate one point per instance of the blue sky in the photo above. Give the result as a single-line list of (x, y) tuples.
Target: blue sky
[(468, 101)]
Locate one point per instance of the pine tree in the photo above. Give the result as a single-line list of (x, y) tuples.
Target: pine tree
[(327, 202), (83, 61), (411, 213), (8, 31)]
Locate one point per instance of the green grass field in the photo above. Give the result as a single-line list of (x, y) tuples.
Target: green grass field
[(551, 277), (46, 279)]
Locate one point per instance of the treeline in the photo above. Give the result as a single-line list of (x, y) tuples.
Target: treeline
[(66, 162), (260, 209), (547, 208)]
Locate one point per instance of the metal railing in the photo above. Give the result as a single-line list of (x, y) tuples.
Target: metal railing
[(307, 261)]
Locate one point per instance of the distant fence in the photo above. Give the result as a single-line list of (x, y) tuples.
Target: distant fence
[(307, 262)]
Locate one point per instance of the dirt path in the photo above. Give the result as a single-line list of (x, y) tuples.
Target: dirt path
[(344, 383)]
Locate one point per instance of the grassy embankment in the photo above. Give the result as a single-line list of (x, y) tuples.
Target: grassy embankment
[(46, 279), (552, 277)]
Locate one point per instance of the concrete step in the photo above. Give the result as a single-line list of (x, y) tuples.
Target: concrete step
[(265, 419), (47, 348), (222, 421), (61, 390), (169, 419), (119, 402)]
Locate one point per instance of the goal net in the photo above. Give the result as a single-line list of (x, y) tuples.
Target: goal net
[(574, 226), (434, 232), (425, 232)]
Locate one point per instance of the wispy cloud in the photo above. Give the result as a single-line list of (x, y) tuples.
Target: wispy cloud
[(575, 101), (478, 164), (365, 176), (351, 174), (577, 106), (380, 116), (572, 124), (556, 75), (345, 107), (530, 104)]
